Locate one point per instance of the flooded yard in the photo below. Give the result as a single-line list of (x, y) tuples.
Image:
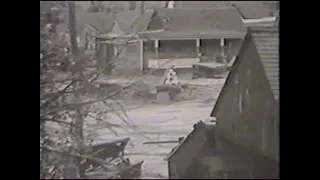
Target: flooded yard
[(156, 123)]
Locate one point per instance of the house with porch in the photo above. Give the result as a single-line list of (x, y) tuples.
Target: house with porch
[(241, 138), (180, 36)]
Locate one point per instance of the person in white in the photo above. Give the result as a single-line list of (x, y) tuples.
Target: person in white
[(171, 77)]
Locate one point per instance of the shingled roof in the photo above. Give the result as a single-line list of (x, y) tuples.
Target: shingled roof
[(202, 4), (267, 43), (248, 9), (254, 9), (195, 23)]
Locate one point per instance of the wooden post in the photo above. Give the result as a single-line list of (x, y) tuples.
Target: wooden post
[(223, 55), (222, 44), (198, 46), (115, 50), (156, 46), (141, 55)]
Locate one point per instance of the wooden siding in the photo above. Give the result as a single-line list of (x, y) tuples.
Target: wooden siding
[(183, 156), (267, 43), (246, 110), (239, 162)]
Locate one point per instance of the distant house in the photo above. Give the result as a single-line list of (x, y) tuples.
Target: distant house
[(177, 36), (244, 142), (253, 13)]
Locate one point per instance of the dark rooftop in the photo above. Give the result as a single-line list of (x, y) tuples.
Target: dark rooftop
[(248, 9), (193, 23)]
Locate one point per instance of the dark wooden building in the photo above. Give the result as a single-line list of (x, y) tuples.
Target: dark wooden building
[(244, 142)]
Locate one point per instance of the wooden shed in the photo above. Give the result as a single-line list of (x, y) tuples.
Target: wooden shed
[(244, 142), (247, 109)]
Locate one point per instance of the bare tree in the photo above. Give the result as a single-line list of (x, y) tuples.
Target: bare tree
[(66, 99)]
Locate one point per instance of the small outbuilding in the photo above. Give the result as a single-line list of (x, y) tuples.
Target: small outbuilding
[(244, 142)]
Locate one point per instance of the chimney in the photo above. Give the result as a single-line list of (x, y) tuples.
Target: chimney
[(170, 4)]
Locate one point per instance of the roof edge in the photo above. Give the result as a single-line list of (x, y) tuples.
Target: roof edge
[(263, 29), (232, 72), (199, 9)]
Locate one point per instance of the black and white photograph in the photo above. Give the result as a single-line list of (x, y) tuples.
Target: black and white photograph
[(159, 90)]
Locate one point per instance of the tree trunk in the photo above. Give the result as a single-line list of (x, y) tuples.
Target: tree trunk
[(77, 128)]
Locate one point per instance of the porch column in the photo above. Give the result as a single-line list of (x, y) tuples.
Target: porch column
[(141, 54), (198, 46), (223, 56), (115, 49), (222, 44), (156, 46)]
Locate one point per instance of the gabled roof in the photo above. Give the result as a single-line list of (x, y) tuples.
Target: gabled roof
[(194, 23), (142, 22), (198, 130), (267, 43), (248, 9)]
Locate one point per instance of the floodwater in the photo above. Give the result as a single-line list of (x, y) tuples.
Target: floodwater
[(158, 123), (155, 123)]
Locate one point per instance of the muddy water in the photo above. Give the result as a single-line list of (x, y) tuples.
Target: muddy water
[(157, 123), (154, 124)]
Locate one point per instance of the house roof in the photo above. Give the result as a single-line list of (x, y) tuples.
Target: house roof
[(248, 9), (266, 41), (193, 23), (254, 9), (199, 129), (267, 44), (201, 4), (142, 22)]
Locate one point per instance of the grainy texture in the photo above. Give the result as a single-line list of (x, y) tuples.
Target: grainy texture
[(267, 43), (246, 109), (159, 123), (248, 9), (196, 23)]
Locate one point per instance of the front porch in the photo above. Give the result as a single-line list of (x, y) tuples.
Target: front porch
[(161, 54)]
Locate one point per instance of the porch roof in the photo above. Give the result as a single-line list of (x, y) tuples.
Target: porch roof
[(194, 34), (179, 23)]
